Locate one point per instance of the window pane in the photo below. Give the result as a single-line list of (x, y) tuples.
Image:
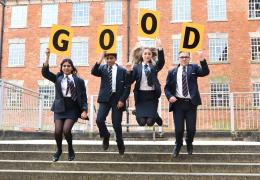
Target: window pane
[(49, 14), (147, 43), (52, 60), (19, 16), (217, 9), (16, 54), (113, 12), (147, 4), (254, 9), (48, 94), (256, 96), (219, 95), (255, 49), (80, 13), (218, 50), (79, 54), (119, 51), (181, 10), (176, 49)]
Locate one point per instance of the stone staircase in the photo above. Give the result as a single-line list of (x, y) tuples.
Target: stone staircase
[(145, 160)]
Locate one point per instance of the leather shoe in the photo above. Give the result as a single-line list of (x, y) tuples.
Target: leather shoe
[(189, 149), (106, 142), (176, 150), (158, 120), (121, 147), (71, 155), (56, 156)]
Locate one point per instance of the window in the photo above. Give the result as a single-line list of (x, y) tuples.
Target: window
[(14, 94), (113, 12), (219, 95), (16, 54), (147, 43), (119, 50), (79, 54), (80, 14), (47, 92), (218, 50), (181, 10), (49, 15), (217, 10), (254, 9), (176, 49), (255, 48), (52, 60), (147, 4), (19, 16), (256, 96)]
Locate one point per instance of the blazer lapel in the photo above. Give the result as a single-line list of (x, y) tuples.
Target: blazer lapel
[(140, 68), (189, 70), (59, 85)]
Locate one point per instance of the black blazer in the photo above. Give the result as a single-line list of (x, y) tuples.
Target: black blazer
[(58, 104), (136, 75), (122, 83), (193, 72)]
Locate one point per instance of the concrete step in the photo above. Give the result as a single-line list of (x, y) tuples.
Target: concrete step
[(111, 175), (135, 156), (178, 167), (96, 146)]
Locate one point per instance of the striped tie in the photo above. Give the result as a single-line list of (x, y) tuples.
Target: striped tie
[(110, 79), (184, 82), (72, 88)]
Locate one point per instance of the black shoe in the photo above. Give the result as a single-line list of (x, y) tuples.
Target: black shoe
[(56, 156), (71, 155), (189, 149), (176, 150), (158, 120), (106, 142), (121, 147)]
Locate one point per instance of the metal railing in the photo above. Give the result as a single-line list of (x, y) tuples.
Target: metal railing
[(24, 110)]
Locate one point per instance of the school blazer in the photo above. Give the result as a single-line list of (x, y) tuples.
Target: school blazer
[(193, 72), (58, 104)]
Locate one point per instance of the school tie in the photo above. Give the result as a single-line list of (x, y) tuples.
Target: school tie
[(72, 88), (110, 79), (148, 75), (184, 82)]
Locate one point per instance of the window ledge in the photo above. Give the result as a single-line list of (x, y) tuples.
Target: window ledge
[(21, 27), (217, 20), (216, 63), (181, 21), (81, 65), (16, 66), (113, 23), (45, 26), (79, 25), (254, 19), (255, 62)]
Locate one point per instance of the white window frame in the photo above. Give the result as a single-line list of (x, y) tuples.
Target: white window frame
[(119, 49), (179, 6), (253, 10), (15, 60), (220, 98), (256, 95), (47, 98), (147, 4), (253, 36), (217, 10), (219, 38), (175, 51), (77, 9), (14, 94), (19, 16), (42, 56), (81, 62), (146, 42), (108, 18), (49, 16)]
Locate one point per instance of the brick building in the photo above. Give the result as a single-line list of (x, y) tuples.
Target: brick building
[(231, 39)]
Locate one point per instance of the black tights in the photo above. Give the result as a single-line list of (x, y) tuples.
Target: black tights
[(63, 126), (145, 120)]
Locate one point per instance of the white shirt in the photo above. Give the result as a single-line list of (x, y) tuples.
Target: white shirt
[(64, 85), (144, 84), (179, 83), (114, 73)]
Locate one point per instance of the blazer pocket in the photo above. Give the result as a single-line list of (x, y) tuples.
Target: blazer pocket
[(58, 106)]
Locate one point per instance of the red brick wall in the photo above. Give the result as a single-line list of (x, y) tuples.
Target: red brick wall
[(239, 71)]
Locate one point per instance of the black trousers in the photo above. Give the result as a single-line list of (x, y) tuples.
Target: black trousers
[(184, 111), (103, 111)]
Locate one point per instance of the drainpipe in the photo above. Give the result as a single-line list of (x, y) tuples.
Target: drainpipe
[(2, 2), (127, 54)]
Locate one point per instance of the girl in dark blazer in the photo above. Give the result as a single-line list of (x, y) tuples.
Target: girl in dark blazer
[(70, 102), (147, 88)]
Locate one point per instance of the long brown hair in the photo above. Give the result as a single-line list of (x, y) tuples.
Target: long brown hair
[(74, 70), (136, 55)]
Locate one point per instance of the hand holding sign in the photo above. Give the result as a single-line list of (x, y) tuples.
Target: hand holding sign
[(158, 43), (201, 55)]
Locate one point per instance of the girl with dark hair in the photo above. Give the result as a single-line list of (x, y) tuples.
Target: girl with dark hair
[(70, 102), (147, 62)]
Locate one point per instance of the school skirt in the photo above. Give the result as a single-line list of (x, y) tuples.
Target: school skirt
[(147, 104), (72, 110)]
